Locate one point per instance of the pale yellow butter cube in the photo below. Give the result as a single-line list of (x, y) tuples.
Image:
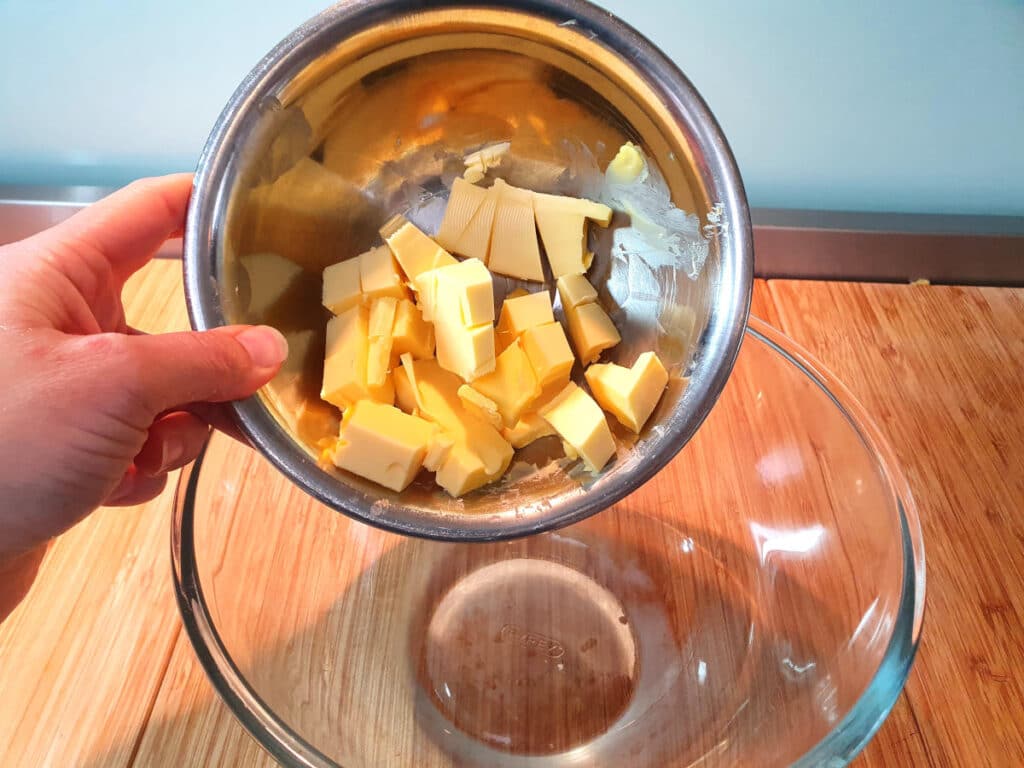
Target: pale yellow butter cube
[(579, 421), (461, 471), (464, 201), (480, 405), (341, 289), (381, 341), (629, 394), (382, 444), (462, 294), (411, 332), (345, 362), (438, 401), (562, 222), (413, 249), (345, 358), (530, 428), (379, 275), (548, 352), (592, 331), (514, 250), (577, 206), (471, 285), (475, 240), (440, 446), (574, 290), (512, 386), (518, 313)]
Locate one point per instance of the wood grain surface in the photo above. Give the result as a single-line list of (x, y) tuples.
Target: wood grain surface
[(96, 670)]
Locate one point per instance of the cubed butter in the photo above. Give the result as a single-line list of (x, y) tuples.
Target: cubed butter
[(379, 275), (413, 249), (590, 328), (562, 222), (514, 250), (382, 444), (464, 201), (480, 405), (629, 394), (574, 290), (437, 451), (411, 333), (381, 341), (592, 331), (530, 428), (475, 240), (345, 358), (519, 313), (341, 286), (479, 454), (345, 362), (549, 354), (512, 385), (579, 421), (462, 309), (472, 286)]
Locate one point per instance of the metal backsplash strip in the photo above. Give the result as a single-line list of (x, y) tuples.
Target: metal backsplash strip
[(817, 245)]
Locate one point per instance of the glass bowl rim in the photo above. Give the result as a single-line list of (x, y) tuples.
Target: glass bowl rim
[(842, 743)]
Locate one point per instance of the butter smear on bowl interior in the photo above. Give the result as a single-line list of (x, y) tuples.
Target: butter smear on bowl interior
[(424, 377)]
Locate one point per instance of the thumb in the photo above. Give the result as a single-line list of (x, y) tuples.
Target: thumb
[(168, 370)]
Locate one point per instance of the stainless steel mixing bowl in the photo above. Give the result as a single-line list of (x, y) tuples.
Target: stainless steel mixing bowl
[(366, 111)]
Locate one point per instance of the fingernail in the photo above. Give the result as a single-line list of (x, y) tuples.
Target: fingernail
[(173, 451), (265, 345)]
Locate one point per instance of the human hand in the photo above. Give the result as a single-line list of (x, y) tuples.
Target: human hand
[(92, 412)]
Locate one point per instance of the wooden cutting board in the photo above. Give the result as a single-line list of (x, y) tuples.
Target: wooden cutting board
[(96, 670)]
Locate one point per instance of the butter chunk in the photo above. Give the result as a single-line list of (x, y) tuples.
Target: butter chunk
[(464, 201), (379, 275), (574, 290), (472, 286), (519, 313), (440, 446), (590, 328), (530, 428), (562, 222), (379, 352), (462, 309), (345, 358), (549, 354), (480, 405), (382, 444), (579, 421), (411, 332), (514, 250), (475, 240), (629, 394), (592, 331), (512, 386), (342, 289), (345, 362), (479, 454), (628, 166), (413, 249)]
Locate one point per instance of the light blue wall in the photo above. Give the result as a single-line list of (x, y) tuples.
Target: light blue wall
[(897, 106)]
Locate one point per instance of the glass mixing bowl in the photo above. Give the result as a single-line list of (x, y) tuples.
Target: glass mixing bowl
[(759, 602)]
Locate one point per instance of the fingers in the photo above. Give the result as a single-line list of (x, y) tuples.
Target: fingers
[(130, 225), (166, 371), (174, 440), (136, 488), (218, 416)]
